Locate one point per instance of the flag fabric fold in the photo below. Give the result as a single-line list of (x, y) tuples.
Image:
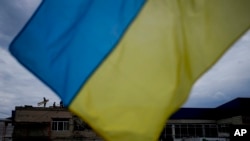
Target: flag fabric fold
[(124, 66)]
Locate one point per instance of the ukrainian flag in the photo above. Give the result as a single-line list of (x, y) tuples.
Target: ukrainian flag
[(124, 66)]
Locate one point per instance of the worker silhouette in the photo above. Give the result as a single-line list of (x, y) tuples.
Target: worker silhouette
[(44, 101), (61, 104)]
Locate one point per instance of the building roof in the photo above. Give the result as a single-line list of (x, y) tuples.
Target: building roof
[(236, 107), (194, 113)]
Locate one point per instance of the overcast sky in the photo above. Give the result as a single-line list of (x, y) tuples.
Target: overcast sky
[(228, 79)]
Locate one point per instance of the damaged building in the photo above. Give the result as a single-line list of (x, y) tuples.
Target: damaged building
[(53, 123), (187, 124)]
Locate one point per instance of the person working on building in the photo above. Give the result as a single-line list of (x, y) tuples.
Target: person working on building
[(44, 101)]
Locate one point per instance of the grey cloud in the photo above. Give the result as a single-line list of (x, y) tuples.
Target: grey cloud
[(18, 87), (13, 16), (228, 79)]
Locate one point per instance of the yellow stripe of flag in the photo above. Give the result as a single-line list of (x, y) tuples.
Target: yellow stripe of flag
[(150, 73)]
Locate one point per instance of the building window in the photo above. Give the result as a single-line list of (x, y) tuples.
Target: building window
[(166, 133), (195, 130), (60, 124), (198, 130), (184, 130), (177, 131), (191, 130), (224, 128), (211, 130)]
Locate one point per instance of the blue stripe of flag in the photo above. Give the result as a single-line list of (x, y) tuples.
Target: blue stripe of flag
[(65, 41)]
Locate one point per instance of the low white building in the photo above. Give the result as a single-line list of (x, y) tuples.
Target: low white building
[(6, 129), (207, 124)]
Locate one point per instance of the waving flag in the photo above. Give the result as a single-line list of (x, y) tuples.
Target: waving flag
[(124, 66)]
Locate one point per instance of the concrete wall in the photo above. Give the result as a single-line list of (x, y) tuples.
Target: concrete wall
[(38, 114), (193, 121), (236, 120), (34, 122)]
